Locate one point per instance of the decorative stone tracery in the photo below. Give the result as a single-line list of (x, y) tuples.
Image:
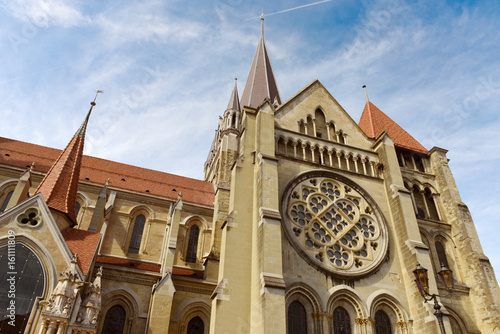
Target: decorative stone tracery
[(334, 225)]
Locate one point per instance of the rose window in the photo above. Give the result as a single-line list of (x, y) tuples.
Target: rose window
[(335, 225)]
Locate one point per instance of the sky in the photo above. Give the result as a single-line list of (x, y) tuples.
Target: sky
[(167, 69)]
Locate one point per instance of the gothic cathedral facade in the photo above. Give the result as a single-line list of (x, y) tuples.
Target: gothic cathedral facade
[(305, 222)]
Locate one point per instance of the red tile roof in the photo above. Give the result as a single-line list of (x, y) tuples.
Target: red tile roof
[(84, 243), (127, 263), (373, 122), (60, 184), (20, 154)]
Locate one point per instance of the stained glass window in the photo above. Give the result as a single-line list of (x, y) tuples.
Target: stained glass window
[(192, 248), (341, 321), (382, 323), (23, 280), (114, 322), (297, 321)]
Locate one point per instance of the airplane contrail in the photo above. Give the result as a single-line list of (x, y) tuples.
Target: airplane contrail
[(295, 8)]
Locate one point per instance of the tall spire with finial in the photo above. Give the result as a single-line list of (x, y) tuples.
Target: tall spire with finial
[(261, 83), (60, 184)]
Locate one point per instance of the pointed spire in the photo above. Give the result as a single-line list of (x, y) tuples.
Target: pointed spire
[(373, 122), (234, 102), (60, 184), (261, 83)]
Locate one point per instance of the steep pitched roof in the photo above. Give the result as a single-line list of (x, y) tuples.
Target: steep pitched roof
[(234, 103), (141, 180), (373, 122), (60, 184), (260, 82), (84, 243)]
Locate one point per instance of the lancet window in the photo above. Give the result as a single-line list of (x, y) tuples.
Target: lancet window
[(135, 240), (382, 323), (297, 320), (341, 321), (192, 247), (114, 322)]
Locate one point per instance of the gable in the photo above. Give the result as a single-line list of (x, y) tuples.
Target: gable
[(33, 220), (297, 113)]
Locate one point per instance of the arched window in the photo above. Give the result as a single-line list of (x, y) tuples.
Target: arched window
[(29, 284), (192, 247), (196, 326), (341, 321), (441, 253), (419, 203), (6, 200), (297, 321), (382, 323), (431, 205), (302, 127), (321, 131), (310, 126), (77, 208), (114, 323), (135, 240)]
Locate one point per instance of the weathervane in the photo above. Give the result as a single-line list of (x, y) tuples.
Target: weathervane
[(97, 92)]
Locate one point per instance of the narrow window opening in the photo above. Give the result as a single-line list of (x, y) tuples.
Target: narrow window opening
[(382, 323), (192, 248), (114, 322), (341, 321), (297, 320), (135, 240), (6, 201), (441, 253)]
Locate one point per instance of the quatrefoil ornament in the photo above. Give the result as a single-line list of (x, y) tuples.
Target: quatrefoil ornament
[(335, 225)]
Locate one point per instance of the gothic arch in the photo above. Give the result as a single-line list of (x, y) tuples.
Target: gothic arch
[(126, 300), (43, 254), (47, 266), (383, 300), (184, 240), (349, 299), (311, 302), (6, 188), (456, 322), (84, 201), (441, 236), (190, 309)]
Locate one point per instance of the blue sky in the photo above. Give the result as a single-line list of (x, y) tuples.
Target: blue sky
[(167, 69)]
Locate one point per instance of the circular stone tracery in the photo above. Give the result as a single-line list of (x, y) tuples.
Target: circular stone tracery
[(335, 225)]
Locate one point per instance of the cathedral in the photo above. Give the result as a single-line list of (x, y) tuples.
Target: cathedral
[(306, 222)]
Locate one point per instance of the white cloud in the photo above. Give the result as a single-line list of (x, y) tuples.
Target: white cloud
[(44, 13)]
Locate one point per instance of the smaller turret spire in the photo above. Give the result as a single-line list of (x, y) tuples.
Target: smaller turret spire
[(60, 184), (234, 101)]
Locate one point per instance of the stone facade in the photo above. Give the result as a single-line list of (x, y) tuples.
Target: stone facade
[(306, 222)]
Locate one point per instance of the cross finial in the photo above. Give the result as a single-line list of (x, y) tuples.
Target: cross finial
[(97, 92), (108, 181)]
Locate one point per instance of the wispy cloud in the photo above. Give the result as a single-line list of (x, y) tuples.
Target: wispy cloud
[(44, 13)]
